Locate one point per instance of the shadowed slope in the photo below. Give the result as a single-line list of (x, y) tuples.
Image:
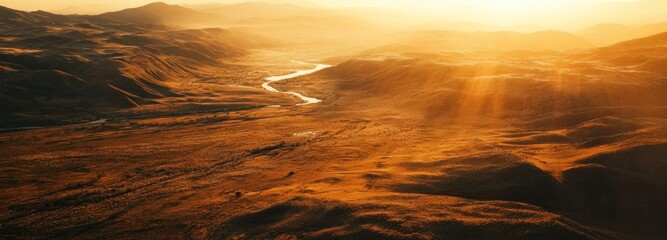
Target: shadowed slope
[(402, 217), (115, 64), (495, 176)]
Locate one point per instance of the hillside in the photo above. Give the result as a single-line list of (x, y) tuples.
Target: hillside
[(65, 66), (654, 42), (605, 34), (434, 89), (435, 81), (647, 54), (585, 132)]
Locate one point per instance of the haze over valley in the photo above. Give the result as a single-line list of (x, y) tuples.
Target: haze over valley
[(333, 120)]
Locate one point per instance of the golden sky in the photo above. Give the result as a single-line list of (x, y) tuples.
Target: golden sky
[(546, 13)]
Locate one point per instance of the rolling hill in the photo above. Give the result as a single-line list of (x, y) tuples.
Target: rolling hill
[(11, 18), (584, 137), (645, 54), (69, 67), (607, 33)]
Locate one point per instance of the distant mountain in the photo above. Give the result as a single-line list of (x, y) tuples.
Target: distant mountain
[(251, 10), (443, 41), (203, 7), (10, 18), (212, 14), (288, 22), (291, 23), (605, 34), (160, 13), (85, 9)]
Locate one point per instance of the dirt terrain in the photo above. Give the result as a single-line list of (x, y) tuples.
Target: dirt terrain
[(352, 168), (163, 133)]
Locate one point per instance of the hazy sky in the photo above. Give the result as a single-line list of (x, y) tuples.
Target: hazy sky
[(549, 13), (417, 4)]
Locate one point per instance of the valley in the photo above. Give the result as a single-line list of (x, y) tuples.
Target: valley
[(126, 125)]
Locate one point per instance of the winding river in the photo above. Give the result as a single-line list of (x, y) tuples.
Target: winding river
[(266, 85), (299, 73)]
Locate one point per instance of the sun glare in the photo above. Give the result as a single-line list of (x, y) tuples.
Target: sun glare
[(499, 12), (506, 11), (511, 6)]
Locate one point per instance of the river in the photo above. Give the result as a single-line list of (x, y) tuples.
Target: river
[(306, 100)]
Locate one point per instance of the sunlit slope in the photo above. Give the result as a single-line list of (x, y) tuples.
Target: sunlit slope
[(161, 13), (645, 54), (463, 85), (579, 132), (449, 41), (604, 34)]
